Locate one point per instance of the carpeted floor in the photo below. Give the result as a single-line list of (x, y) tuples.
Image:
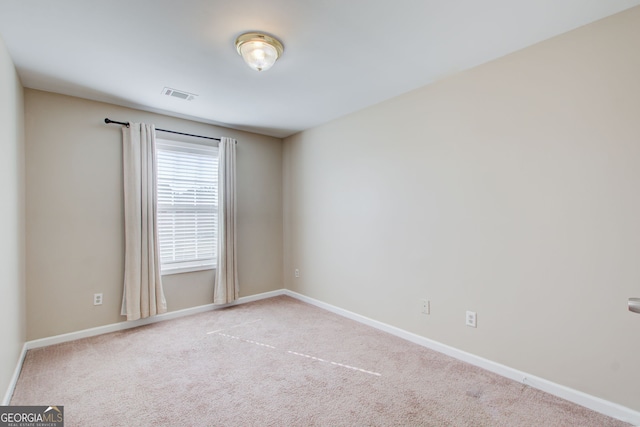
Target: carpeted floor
[(276, 362)]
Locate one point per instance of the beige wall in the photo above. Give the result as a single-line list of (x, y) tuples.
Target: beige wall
[(75, 239), (12, 277), (512, 190)]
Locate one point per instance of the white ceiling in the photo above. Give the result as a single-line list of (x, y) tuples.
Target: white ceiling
[(340, 55)]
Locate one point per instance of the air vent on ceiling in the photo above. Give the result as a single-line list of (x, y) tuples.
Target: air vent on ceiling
[(179, 94)]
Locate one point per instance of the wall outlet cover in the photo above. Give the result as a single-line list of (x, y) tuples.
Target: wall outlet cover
[(471, 319), (425, 306)]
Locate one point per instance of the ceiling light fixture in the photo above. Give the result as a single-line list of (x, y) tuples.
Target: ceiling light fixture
[(259, 51)]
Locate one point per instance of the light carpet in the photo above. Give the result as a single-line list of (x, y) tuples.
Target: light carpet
[(276, 362)]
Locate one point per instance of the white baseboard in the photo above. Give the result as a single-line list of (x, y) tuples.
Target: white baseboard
[(14, 379), (583, 399), (72, 336)]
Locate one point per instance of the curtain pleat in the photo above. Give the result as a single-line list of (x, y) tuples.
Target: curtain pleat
[(226, 288), (143, 295)]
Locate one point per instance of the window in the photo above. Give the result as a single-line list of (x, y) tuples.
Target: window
[(187, 206)]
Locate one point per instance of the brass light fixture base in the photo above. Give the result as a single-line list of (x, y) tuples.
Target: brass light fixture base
[(259, 37)]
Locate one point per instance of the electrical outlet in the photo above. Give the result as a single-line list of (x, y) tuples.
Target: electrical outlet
[(471, 319), (424, 306), (97, 299), (297, 273)]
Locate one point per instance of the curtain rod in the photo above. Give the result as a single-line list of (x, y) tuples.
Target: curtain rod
[(107, 121)]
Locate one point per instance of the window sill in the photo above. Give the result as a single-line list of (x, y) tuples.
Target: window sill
[(178, 270)]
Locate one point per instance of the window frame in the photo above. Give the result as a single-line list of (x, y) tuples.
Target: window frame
[(176, 267)]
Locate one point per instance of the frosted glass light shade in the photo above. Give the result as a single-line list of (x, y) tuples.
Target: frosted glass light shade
[(258, 55), (259, 51)]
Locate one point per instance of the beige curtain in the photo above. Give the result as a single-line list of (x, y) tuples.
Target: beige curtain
[(143, 295), (226, 286)]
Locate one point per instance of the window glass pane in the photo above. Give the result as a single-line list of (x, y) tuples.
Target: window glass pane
[(187, 203)]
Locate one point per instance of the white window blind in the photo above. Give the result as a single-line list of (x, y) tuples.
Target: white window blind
[(187, 205)]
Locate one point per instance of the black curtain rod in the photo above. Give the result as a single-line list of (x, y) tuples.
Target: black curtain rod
[(107, 121)]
